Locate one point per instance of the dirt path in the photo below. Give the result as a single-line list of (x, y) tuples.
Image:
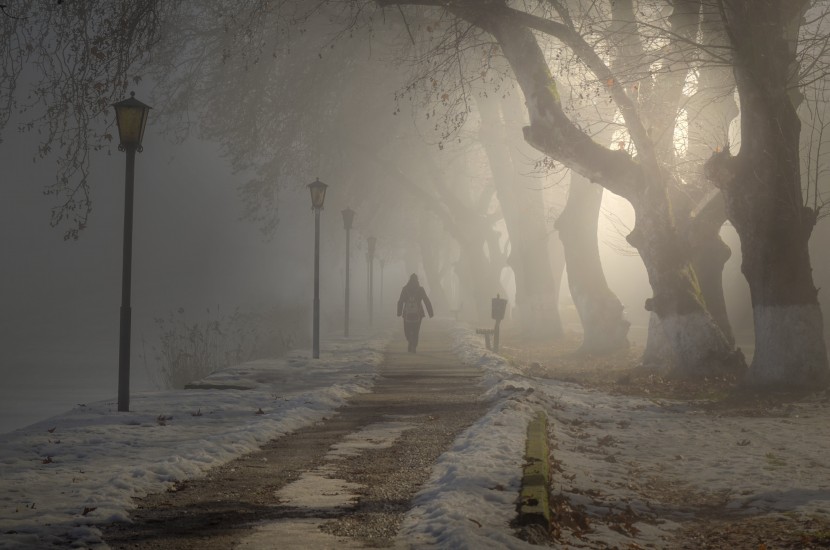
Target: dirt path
[(345, 482)]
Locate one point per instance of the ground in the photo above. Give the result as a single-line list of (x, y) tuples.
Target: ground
[(621, 374), (344, 482)]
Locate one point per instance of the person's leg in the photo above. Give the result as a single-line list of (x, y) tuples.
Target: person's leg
[(407, 330), (416, 330)]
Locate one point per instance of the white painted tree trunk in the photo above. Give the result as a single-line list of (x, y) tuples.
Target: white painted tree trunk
[(789, 347), (658, 354), (699, 346)]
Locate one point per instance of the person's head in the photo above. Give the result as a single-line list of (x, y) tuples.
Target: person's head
[(413, 279)]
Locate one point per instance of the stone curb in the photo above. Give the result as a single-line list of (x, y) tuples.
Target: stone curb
[(534, 506)]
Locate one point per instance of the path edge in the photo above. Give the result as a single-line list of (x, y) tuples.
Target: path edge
[(534, 505)]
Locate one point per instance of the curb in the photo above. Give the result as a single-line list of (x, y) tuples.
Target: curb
[(534, 506)]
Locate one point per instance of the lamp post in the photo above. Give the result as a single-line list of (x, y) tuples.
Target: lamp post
[(318, 197), (371, 259), (131, 117), (348, 218)]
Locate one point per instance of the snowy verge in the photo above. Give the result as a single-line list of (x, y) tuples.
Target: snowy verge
[(626, 471), (62, 477), (470, 498)]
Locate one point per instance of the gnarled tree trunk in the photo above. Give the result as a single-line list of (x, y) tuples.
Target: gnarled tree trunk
[(762, 187), (427, 240), (524, 216), (600, 311)]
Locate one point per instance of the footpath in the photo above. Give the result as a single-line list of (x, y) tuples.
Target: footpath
[(345, 482)]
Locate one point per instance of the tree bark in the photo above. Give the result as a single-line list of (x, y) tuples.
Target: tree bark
[(524, 215), (762, 188), (600, 311), (473, 230), (429, 260), (710, 110)]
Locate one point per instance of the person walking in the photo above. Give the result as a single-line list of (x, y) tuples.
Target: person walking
[(411, 308)]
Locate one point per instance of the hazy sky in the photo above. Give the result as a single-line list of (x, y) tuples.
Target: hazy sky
[(60, 300)]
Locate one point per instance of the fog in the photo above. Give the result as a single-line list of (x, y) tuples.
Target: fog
[(59, 336), (61, 298), (435, 165)]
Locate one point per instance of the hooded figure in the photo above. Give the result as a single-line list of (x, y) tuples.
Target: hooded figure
[(411, 308)]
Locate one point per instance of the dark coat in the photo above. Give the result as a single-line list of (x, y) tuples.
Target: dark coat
[(420, 295)]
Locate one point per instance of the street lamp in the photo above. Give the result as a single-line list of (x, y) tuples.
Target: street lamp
[(371, 259), (318, 197), (348, 218), (131, 117)]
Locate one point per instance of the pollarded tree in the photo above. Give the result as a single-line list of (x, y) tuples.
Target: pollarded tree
[(762, 185), (524, 216), (601, 313)]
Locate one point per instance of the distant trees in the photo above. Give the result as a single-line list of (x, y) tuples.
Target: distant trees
[(662, 67)]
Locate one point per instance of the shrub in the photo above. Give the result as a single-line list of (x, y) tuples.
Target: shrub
[(190, 350)]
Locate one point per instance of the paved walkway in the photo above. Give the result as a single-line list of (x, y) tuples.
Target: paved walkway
[(343, 483)]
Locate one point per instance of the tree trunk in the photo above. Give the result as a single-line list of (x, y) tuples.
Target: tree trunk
[(762, 188), (699, 346), (429, 260), (477, 282), (708, 260), (524, 216), (710, 111), (658, 354), (600, 311), (556, 256)]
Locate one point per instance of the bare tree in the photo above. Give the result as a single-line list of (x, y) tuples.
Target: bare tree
[(763, 190), (773, 217)]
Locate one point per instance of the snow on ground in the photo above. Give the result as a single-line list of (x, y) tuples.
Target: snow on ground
[(62, 477), (634, 467), (653, 463), (470, 498)]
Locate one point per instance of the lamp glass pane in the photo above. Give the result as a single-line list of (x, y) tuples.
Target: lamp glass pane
[(318, 194), (131, 122), (131, 116), (348, 218)]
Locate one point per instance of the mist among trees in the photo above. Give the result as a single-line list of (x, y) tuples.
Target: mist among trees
[(477, 140)]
